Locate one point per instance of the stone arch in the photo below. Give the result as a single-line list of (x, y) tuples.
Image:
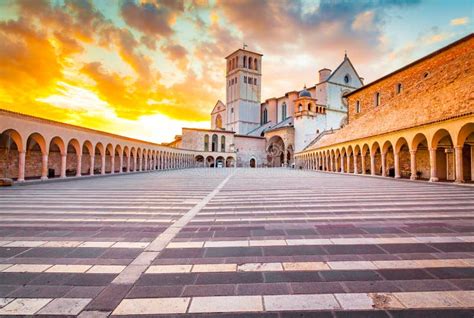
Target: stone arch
[(220, 162), (109, 158), (73, 158), (11, 147), (99, 156), (442, 158), (465, 152), (199, 161), (210, 162), (118, 159), (230, 162), (133, 159), (214, 143), (87, 165), (388, 159), (139, 159), (57, 158), (402, 151), (419, 157), (36, 152), (126, 159), (253, 162), (275, 151), (375, 159)]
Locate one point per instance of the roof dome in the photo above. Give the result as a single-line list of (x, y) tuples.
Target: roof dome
[(304, 93)]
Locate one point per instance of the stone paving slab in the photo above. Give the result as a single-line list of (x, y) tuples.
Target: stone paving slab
[(264, 243)]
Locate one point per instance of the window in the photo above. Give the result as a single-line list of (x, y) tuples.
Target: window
[(245, 61), (426, 74), (214, 142), (218, 121), (232, 110), (255, 81), (377, 99), (265, 116), (206, 143), (300, 107), (399, 88), (245, 79), (236, 80), (283, 111), (250, 63), (347, 78), (310, 107), (255, 64), (358, 107), (222, 143)]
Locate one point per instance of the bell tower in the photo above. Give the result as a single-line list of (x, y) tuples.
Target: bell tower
[(243, 90)]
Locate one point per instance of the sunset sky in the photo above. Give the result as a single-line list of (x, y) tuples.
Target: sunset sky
[(145, 69)]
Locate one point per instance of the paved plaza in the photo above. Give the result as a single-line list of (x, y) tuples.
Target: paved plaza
[(237, 243)]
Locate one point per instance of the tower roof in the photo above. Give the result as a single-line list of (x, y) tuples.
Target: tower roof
[(251, 52)]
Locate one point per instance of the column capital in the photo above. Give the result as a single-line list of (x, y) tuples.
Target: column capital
[(413, 151)]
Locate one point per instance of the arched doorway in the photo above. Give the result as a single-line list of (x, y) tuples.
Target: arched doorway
[(253, 163), (36, 160), (276, 152), (199, 160), (465, 142), (442, 160), (210, 162), (220, 162), (230, 162)]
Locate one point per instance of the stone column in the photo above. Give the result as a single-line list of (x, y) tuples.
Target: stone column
[(355, 164), (396, 160), (348, 161), (413, 164), (459, 167), (362, 163), (372, 164), (342, 163), (79, 165), (21, 165), (140, 163), (433, 170), (63, 165), (112, 164), (91, 169), (384, 157), (44, 167), (121, 163), (102, 167), (128, 163)]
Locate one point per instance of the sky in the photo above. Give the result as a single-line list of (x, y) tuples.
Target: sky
[(146, 68)]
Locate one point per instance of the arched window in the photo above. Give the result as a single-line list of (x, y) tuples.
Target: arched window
[(255, 64), (215, 142), (206, 143), (222, 143), (245, 61), (236, 62), (283, 111), (218, 121), (300, 107), (265, 116), (310, 107), (250, 63)]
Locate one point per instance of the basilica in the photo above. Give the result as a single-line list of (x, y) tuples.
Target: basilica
[(268, 133)]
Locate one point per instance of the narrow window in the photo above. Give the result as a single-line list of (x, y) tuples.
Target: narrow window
[(358, 107), (255, 64), (245, 61), (206, 143), (399, 88), (255, 81), (222, 143), (283, 111), (245, 79), (377, 99), (265, 116)]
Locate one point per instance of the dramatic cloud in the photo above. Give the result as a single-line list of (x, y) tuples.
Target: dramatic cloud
[(122, 66)]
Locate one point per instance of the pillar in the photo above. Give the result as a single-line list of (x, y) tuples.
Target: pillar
[(396, 160), (362, 163), (128, 163), (140, 162), (92, 164), (102, 166), (121, 163), (413, 164), (44, 167), (348, 161), (285, 159), (355, 164), (63, 165), (384, 157), (79, 165), (342, 163), (459, 167), (433, 170), (112, 163), (372, 164), (21, 165)]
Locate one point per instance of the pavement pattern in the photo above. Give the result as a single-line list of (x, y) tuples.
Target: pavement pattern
[(237, 243)]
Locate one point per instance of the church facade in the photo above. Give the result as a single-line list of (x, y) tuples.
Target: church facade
[(269, 133)]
